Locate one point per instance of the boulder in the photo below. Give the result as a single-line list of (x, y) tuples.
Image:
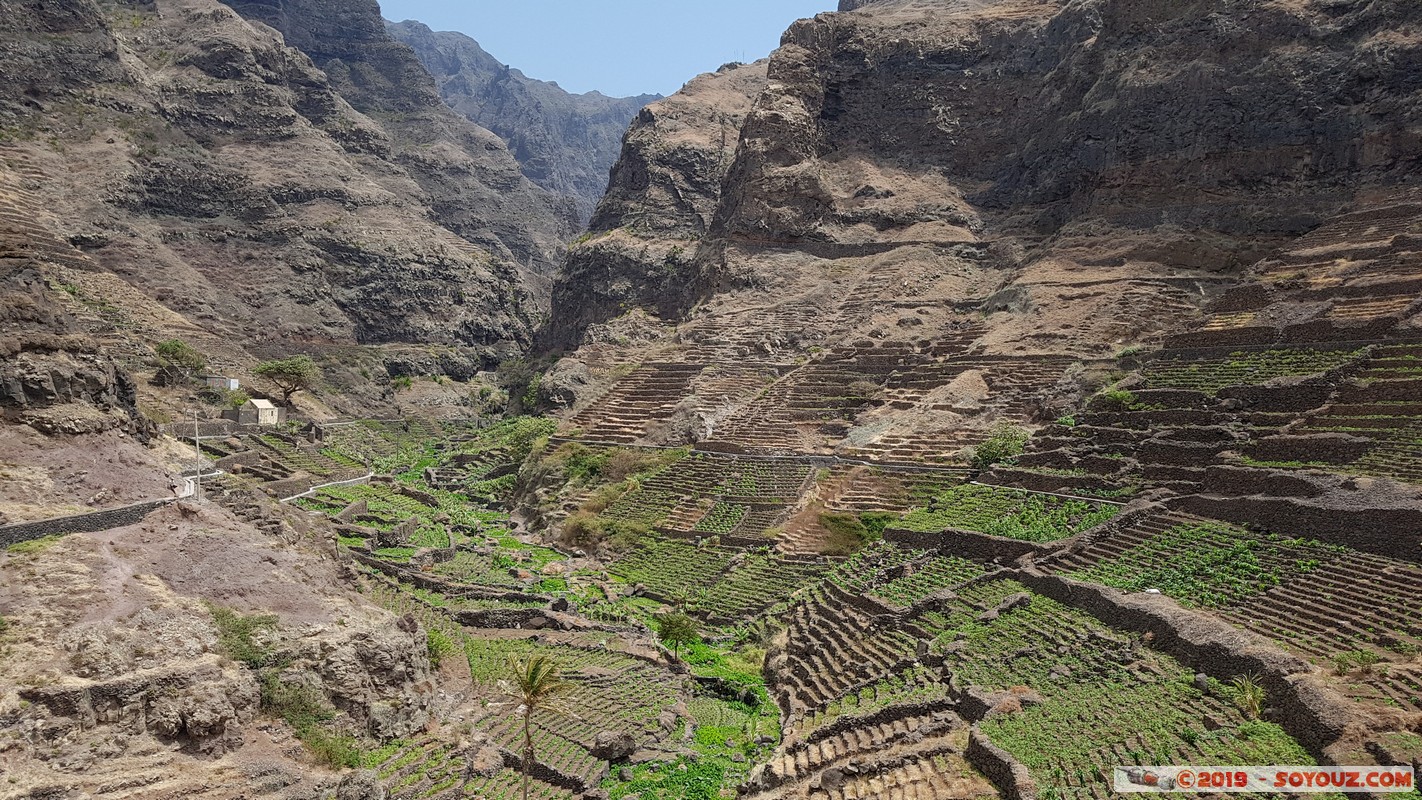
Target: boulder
[(614, 745)]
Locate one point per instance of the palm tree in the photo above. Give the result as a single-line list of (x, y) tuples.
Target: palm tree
[(536, 683)]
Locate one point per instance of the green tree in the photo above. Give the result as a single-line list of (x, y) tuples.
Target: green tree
[(537, 684), (289, 375), (1005, 442), (178, 353), (676, 629)]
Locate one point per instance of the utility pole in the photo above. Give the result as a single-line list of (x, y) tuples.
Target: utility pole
[(197, 442)]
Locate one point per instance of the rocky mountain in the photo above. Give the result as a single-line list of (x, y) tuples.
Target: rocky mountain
[(1014, 178), (282, 181), (565, 143)]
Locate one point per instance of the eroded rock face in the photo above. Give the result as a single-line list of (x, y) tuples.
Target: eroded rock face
[(660, 202), (564, 142), (53, 378), (1052, 148), (288, 176), (379, 676)]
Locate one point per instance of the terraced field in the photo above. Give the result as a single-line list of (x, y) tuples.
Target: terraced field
[(1244, 368), (858, 676), (1008, 513)]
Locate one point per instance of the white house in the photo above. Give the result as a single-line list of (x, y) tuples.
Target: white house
[(259, 412), (220, 382)]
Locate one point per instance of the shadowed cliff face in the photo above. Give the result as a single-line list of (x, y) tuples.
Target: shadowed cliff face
[(1250, 121), (275, 197), (659, 203), (564, 142)]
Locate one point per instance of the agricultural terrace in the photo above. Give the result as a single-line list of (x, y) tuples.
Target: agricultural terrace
[(1009, 513), (1244, 368), (1357, 613), (798, 665)]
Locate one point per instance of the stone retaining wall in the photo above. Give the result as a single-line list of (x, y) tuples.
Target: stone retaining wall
[(1314, 715), (968, 544), (1391, 532), (997, 765), (80, 523)]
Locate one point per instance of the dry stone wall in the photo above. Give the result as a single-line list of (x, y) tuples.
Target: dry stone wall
[(80, 523)]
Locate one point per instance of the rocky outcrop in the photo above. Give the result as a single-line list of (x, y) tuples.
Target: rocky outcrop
[(564, 142), (662, 196), (380, 677), (52, 377)]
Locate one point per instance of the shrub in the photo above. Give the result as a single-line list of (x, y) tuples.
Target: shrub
[(622, 464), (848, 533), (304, 708), (587, 530), (32, 546), (1004, 444), (236, 635), (1117, 400), (402, 383), (580, 463), (439, 644), (1247, 692), (180, 354)]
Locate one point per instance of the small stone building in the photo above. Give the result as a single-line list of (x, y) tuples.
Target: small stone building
[(222, 382), (259, 412)]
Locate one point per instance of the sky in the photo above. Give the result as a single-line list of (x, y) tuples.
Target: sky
[(618, 47)]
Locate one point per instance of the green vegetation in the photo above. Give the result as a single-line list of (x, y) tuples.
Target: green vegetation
[(1247, 692), (237, 635), (289, 375), (537, 684), (1245, 368), (1117, 400), (940, 572), (1078, 694), (306, 710), (676, 629), (181, 355), (1207, 564), (1005, 442), (848, 533), (1009, 513), (33, 546), (1363, 660)]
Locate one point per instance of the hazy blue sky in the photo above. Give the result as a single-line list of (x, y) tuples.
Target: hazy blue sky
[(618, 47)]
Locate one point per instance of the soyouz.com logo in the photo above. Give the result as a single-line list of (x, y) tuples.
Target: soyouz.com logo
[(1292, 780)]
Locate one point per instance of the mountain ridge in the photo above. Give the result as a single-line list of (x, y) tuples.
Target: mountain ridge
[(564, 142)]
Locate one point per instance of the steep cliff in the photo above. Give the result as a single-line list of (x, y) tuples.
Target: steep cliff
[(659, 204), (1020, 179), (277, 189), (564, 142)]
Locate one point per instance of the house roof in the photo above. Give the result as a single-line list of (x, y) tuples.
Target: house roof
[(260, 404)]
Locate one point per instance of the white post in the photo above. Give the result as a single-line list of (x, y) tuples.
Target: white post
[(197, 442)]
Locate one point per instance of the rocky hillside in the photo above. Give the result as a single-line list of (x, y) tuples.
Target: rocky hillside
[(564, 142), (1009, 179), (281, 181)]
